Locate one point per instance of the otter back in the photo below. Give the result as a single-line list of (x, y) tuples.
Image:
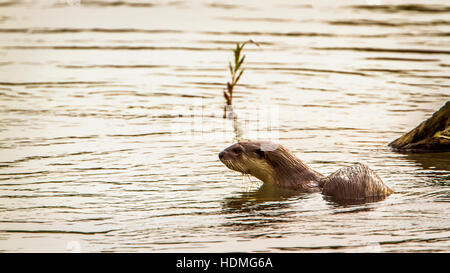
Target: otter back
[(354, 182)]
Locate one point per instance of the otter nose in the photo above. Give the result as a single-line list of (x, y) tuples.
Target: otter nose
[(221, 154)]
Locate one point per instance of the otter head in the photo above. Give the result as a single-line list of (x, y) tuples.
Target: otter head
[(271, 163), (249, 157)]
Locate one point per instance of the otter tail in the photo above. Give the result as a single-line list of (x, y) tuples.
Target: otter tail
[(354, 182)]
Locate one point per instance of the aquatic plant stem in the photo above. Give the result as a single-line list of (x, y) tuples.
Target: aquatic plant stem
[(236, 72)]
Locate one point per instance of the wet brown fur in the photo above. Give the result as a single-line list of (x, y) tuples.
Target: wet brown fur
[(274, 164)]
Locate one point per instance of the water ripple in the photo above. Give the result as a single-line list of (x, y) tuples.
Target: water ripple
[(103, 138)]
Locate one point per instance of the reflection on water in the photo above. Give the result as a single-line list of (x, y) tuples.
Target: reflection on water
[(263, 198), (347, 202), (103, 145), (263, 207), (431, 161)]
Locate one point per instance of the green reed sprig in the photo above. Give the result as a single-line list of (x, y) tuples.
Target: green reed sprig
[(236, 71)]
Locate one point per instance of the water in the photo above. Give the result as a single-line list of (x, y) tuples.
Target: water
[(101, 149)]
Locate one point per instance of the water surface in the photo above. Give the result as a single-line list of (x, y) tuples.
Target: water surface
[(111, 122)]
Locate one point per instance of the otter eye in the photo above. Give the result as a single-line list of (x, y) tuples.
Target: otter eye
[(236, 150), (259, 152)]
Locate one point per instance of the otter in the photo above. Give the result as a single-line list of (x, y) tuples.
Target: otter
[(274, 164)]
